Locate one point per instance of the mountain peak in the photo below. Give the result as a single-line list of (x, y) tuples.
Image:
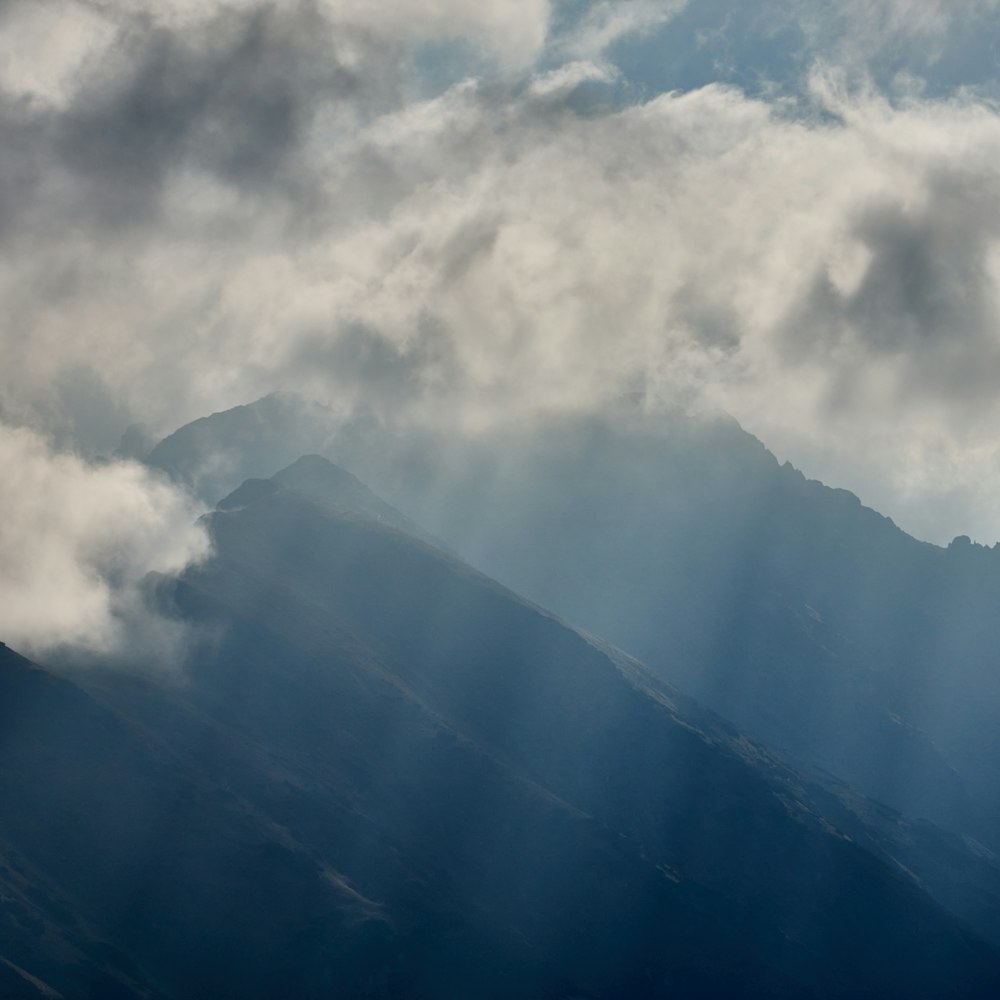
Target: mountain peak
[(314, 473), (315, 462), (317, 477)]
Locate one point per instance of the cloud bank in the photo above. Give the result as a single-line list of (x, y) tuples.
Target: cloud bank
[(465, 215), (76, 541)]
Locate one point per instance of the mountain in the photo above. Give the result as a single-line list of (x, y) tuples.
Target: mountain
[(959, 872), (60, 753), (386, 775), (128, 872), (320, 478), (811, 621)]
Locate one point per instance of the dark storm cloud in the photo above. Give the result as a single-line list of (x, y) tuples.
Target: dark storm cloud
[(927, 284), (232, 98), (364, 365), (23, 161), (926, 300)]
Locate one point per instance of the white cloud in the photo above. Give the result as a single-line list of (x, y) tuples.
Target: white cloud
[(76, 540), (562, 81), (829, 275)]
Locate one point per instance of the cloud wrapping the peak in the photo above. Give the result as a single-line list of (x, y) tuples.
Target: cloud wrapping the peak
[(76, 541)]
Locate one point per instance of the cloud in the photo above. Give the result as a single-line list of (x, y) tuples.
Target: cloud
[(236, 198), (231, 103), (926, 295), (77, 540), (45, 46)]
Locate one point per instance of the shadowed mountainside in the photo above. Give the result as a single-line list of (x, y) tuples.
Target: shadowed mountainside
[(389, 776)]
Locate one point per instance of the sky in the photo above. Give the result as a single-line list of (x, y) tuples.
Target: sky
[(464, 215)]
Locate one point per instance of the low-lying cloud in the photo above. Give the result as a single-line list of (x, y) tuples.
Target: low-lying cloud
[(76, 541)]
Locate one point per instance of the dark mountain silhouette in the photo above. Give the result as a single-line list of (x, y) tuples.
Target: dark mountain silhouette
[(388, 776)]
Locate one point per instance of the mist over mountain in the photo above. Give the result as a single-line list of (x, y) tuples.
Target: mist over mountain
[(387, 775)]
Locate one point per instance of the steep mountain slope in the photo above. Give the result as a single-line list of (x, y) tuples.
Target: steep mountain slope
[(814, 623), (790, 608), (960, 873), (399, 779), (54, 765), (127, 872)]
